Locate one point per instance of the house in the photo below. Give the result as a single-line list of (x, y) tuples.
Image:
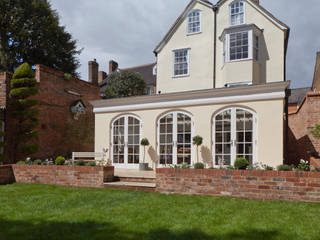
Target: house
[(220, 75), (304, 115), (66, 117), (147, 71)]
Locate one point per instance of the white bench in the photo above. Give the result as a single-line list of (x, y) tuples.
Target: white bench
[(89, 157)]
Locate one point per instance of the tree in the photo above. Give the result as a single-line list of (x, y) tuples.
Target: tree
[(22, 111), (144, 142), (124, 83), (30, 32), (197, 140)]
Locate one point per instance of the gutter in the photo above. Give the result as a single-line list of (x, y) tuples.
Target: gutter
[(215, 9)]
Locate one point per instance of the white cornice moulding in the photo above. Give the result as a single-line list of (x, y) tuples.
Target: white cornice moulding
[(192, 102)]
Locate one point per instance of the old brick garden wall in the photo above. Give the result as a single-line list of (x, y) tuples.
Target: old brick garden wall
[(72, 176), (301, 141), (263, 185)]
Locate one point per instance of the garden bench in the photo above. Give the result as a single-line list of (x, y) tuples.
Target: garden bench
[(88, 156)]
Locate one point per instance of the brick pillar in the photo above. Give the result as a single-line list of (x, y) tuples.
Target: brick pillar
[(93, 71), (112, 66), (102, 75)]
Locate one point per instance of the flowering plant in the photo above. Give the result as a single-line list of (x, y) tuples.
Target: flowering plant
[(303, 166)]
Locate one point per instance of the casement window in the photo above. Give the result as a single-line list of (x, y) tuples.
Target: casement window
[(175, 138), (194, 22), (237, 13), (125, 141), (181, 62), (240, 45), (234, 135)]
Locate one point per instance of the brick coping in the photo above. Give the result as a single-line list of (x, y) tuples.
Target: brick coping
[(230, 172)]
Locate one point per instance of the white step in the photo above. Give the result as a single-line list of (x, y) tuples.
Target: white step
[(131, 184)]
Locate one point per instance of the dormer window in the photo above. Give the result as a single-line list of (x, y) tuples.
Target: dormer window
[(236, 13), (194, 23)]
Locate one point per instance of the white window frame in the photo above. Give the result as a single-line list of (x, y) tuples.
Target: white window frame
[(256, 47), (188, 62), (233, 134), (244, 13), (174, 137), (125, 165), (200, 20), (250, 46), (154, 70)]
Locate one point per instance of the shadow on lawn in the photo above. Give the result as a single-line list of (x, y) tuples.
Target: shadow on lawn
[(38, 230)]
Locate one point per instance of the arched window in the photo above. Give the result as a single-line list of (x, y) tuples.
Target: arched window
[(125, 141), (234, 135), (194, 22), (237, 13), (174, 138)]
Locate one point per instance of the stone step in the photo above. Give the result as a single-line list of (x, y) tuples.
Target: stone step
[(138, 186), (135, 179)]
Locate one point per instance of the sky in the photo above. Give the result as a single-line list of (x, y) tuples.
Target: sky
[(127, 31)]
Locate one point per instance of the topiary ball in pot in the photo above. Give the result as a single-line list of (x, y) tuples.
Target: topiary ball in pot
[(241, 163), (199, 165), (60, 160)]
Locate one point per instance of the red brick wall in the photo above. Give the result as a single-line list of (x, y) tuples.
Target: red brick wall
[(4, 80), (56, 137), (72, 176), (301, 141), (6, 175), (263, 185)]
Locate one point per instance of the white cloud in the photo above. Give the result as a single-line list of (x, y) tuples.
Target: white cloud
[(128, 31)]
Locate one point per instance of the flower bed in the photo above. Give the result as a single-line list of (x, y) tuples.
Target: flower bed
[(255, 184), (73, 176)]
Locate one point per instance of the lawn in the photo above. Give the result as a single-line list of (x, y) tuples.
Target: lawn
[(50, 212)]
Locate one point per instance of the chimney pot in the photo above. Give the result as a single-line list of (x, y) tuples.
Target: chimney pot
[(113, 65), (93, 72), (255, 1)]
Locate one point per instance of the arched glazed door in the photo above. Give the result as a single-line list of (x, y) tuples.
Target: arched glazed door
[(174, 139), (125, 141), (234, 136)]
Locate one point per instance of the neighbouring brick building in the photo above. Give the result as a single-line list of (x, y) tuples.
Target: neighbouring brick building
[(66, 118), (304, 115)]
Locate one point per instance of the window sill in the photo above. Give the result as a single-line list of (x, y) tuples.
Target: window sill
[(240, 60), (195, 33), (181, 76)]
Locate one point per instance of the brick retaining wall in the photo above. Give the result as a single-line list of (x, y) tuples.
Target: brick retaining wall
[(72, 176), (6, 174), (263, 185)]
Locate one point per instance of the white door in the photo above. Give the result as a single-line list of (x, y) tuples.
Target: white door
[(174, 139), (125, 142), (234, 136)]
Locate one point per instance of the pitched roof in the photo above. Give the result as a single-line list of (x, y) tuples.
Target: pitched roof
[(297, 95), (145, 70), (178, 21)]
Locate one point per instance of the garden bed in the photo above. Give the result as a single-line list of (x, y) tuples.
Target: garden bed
[(74, 176), (254, 184)]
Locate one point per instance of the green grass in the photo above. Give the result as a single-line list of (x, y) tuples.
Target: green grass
[(50, 212)]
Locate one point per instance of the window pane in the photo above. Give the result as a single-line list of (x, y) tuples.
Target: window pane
[(239, 46), (194, 22), (181, 62)]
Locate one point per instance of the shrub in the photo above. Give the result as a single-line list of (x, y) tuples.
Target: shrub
[(285, 167), (67, 76), (91, 164), (230, 167), (199, 165), (303, 166), (185, 165), (37, 162), (268, 168), (241, 163), (21, 163), (80, 163), (60, 160)]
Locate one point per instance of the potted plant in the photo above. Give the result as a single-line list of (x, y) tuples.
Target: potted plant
[(197, 140), (144, 166)]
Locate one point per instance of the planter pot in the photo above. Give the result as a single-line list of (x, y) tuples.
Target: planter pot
[(143, 166), (314, 162)]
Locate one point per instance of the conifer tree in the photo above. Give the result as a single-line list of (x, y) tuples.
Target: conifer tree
[(23, 112)]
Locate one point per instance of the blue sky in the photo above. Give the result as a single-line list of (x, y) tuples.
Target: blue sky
[(128, 30)]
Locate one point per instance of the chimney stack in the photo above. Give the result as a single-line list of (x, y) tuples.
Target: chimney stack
[(102, 75), (93, 71), (255, 1), (112, 66)]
